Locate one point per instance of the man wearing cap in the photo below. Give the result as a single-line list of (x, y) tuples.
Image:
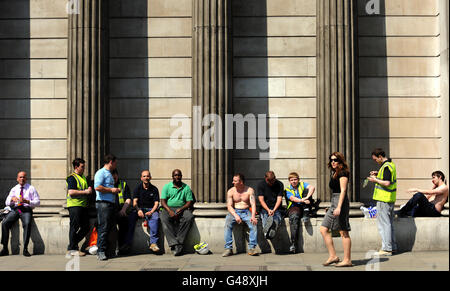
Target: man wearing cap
[(22, 199)]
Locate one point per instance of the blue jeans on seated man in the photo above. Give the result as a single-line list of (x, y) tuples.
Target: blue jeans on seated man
[(270, 224), (152, 226), (230, 221)]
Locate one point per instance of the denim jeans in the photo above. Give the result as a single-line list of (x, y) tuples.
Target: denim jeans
[(230, 221), (385, 221), (106, 221), (152, 226), (277, 217)]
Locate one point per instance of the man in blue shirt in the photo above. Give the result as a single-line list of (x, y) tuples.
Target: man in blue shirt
[(105, 203), (298, 200)]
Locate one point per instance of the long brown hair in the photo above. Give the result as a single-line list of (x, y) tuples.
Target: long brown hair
[(342, 164)]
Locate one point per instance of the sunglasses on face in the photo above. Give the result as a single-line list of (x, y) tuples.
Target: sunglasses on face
[(334, 160)]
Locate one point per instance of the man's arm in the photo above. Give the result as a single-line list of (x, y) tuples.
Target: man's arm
[(311, 190), (184, 207), (253, 205), (437, 191), (103, 189), (277, 205), (263, 203), (34, 196)]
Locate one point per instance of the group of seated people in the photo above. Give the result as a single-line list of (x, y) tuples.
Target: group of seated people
[(118, 208)]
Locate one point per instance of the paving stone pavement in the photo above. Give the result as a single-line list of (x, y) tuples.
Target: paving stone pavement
[(408, 261)]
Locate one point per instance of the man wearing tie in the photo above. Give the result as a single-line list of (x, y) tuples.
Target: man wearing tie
[(22, 199)]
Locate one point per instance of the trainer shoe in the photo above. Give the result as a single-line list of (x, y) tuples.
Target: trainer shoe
[(252, 252), (227, 253), (101, 256), (383, 253), (292, 249)]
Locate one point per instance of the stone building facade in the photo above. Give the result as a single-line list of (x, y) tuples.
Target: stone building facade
[(82, 78)]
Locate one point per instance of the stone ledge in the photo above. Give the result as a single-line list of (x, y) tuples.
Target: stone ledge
[(50, 236)]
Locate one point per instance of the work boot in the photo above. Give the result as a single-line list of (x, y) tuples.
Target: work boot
[(26, 253), (227, 253), (178, 251), (4, 252)]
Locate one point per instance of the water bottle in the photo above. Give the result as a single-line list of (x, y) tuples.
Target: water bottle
[(365, 211)]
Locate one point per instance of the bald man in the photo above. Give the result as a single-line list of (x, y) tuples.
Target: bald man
[(146, 205), (22, 199)]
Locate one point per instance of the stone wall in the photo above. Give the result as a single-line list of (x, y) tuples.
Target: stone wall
[(399, 88), (150, 81), (33, 95), (274, 72), (403, 88)]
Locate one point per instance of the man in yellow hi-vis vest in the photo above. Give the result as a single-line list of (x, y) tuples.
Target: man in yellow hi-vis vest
[(78, 192), (385, 180)]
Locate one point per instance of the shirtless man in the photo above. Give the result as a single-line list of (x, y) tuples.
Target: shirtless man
[(239, 199), (422, 203)]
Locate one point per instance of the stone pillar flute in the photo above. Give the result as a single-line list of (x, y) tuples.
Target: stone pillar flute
[(211, 94), (87, 85), (337, 109)]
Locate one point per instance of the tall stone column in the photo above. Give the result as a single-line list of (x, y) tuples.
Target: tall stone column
[(336, 86), (211, 94), (88, 121)]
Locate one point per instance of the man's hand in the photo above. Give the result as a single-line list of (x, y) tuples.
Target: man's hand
[(373, 173), (141, 213), (372, 179), (88, 190), (306, 201), (115, 190), (271, 212), (253, 220), (14, 199), (149, 213), (238, 219), (123, 212), (172, 214)]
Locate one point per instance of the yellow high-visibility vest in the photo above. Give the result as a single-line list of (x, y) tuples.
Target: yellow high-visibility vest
[(301, 187), (386, 194), (81, 185), (120, 195)]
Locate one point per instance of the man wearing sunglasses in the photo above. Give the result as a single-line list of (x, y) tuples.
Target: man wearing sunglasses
[(176, 216)]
